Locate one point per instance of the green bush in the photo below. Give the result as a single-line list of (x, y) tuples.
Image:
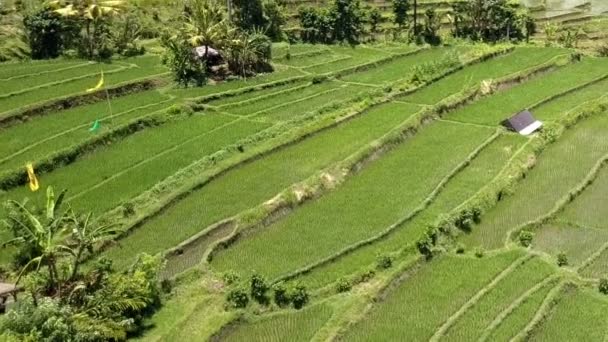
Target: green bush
[(603, 286), (525, 238), (343, 285), (479, 252), (460, 249), (237, 298), (299, 296), (384, 262), (562, 259), (281, 297), (259, 288), (230, 277)]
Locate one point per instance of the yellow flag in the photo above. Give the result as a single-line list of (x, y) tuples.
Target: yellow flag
[(32, 177), (98, 86)]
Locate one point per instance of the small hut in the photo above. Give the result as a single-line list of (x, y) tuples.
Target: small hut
[(208, 54), (7, 291), (523, 123)]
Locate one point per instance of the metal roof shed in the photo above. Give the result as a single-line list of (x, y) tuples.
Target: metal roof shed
[(523, 123)]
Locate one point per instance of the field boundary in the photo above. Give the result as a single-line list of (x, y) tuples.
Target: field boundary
[(75, 66), (66, 156), (543, 311), (520, 163), (439, 333), (120, 68), (267, 211), (10, 118), (80, 126), (149, 203), (563, 201), (514, 305), (426, 202)]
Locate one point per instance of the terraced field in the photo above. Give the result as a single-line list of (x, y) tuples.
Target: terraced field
[(332, 173)]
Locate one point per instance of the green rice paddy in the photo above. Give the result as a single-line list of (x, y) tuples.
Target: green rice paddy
[(374, 182)]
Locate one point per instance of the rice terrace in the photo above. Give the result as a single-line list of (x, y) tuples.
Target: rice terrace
[(303, 170)]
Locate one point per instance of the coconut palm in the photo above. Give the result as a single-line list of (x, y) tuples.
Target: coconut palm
[(92, 13), (42, 235), (206, 24)]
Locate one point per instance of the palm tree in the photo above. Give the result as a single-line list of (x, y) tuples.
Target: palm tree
[(206, 24), (85, 236), (92, 12), (43, 235)]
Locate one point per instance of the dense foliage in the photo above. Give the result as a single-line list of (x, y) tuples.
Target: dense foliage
[(342, 21), (62, 301), (206, 25), (492, 20)]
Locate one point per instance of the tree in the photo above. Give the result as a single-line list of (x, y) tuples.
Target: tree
[(400, 8), (249, 54), (46, 29), (93, 14), (490, 20), (374, 18), (40, 237), (206, 25), (250, 14), (274, 16), (432, 24), (347, 19)]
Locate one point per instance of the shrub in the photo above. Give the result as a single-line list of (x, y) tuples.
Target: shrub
[(299, 296), (182, 62), (237, 298), (281, 297), (400, 8), (525, 238), (343, 285), (128, 209), (602, 50), (230, 277), (384, 262), (367, 275), (425, 247), (479, 252), (46, 31), (562, 259), (259, 287), (603, 286), (460, 249)]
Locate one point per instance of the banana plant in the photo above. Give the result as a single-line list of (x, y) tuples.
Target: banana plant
[(42, 234)]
